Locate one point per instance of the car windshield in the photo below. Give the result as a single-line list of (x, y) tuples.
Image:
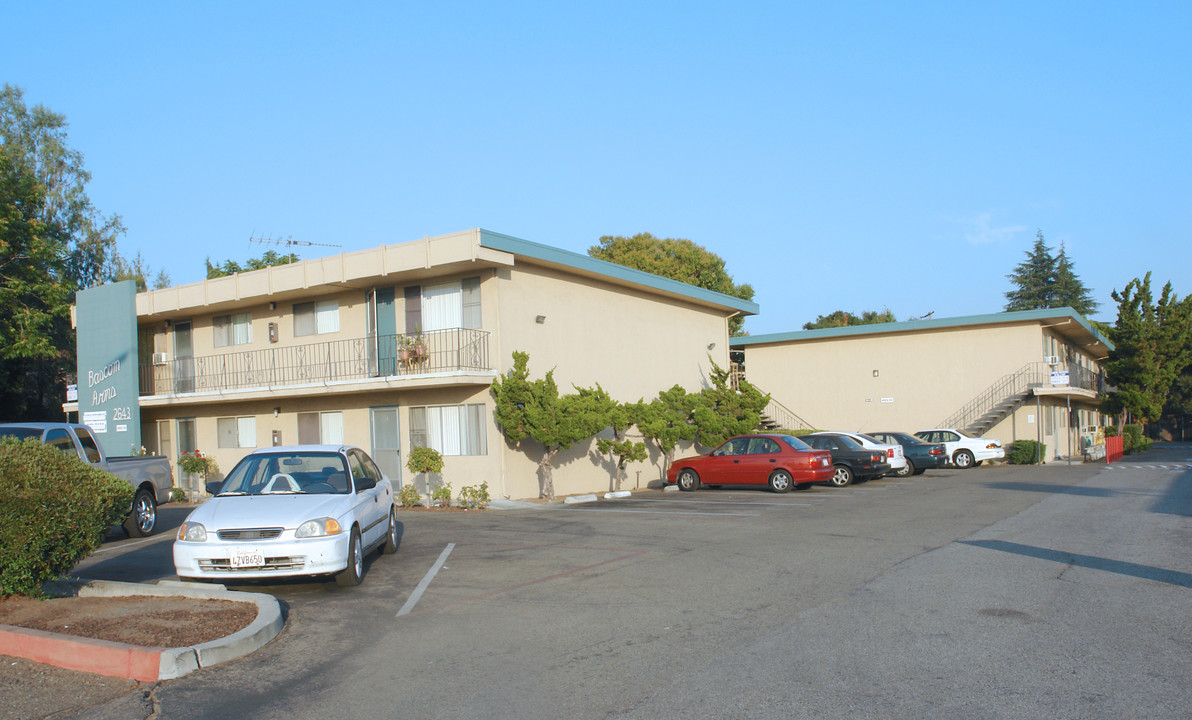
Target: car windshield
[(318, 473), (794, 442)]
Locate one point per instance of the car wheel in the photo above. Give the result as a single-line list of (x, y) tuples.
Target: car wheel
[(842, 476), (389, 547), (906, 471), (687, 480), (143, 517), (354, 572), (963, 459), (780, 481)]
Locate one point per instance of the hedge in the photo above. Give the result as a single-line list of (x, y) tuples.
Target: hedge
[(1026, 452), (54, 511), (1133, 441)]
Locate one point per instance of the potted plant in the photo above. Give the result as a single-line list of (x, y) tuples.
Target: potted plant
[(418, 345), (425, 461)]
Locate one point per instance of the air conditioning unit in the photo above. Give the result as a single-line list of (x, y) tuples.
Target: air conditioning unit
[(161, 358), (1052, 359)]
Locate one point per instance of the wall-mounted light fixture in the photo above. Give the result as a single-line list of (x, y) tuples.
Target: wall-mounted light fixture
[(169, 322), (272, 306), (875, 373), (711, 345), (276, 411), (540, 319)]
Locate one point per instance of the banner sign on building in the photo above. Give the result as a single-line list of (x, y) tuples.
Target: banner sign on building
[(1059, 377), (108, 384)]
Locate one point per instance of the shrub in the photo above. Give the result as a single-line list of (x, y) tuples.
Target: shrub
[(408, 496), (424, 460), (442, 495), (1132, 438), (177, 495), (1111, 431), (1026, 452), (474, 497), (54, 511)]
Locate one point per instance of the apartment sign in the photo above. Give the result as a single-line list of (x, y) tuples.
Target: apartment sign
[(1059, 377), (108, 379)]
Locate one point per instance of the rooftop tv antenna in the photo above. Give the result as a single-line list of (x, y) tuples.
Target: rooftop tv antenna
[(288, 241)]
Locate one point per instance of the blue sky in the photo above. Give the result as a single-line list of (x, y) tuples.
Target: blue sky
[(854, 156)]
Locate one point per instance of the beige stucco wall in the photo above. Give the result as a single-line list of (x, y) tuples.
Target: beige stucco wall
[(922, 377)]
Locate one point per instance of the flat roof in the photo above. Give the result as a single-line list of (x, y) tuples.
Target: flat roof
[(1071, 323)]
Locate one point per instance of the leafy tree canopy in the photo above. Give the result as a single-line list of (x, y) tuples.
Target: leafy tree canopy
[(676, 259), (840, 318), (1152, 347), (1046, 281), (268, 259), (723, 412)]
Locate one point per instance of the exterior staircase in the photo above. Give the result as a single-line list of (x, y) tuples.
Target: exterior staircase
[(776, 415), (1007, 394)]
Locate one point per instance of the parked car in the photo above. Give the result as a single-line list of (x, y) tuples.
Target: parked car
[(290, 511), (965, 451), (894, 454), (920, 455), (850, 461), (780, 461), (150, 475)]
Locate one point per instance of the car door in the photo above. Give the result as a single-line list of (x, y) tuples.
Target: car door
[(759, 460), (370, 511), (723, 465)]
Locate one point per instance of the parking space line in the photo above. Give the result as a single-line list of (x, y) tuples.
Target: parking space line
[(122, 546), (720, 502), (430, 575), (662, 512)]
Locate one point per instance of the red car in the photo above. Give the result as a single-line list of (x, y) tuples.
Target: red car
[(780, 461)]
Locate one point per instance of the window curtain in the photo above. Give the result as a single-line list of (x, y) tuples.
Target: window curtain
[(442, 307), (331, 428)]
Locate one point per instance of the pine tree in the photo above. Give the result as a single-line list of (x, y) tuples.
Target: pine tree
[(1068, 290), (1034, 279)]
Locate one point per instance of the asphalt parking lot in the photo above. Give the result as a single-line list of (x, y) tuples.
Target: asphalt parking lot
[(994, 592)]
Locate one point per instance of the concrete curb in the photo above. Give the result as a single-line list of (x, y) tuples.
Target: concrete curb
[(134, 662)]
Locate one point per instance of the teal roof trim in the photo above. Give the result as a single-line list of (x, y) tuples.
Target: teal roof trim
[(583, 263), (880, 328)]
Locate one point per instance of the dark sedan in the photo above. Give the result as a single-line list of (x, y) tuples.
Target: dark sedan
[(850, 461), (920, 455), (780, 461)]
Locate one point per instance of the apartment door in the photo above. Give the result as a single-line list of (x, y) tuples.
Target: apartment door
[(386, 334), (386, 442), (187, 442), (184, 358)]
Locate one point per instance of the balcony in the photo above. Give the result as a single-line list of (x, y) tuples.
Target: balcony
[(438, 351)]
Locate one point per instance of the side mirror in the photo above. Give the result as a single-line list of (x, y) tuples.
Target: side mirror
[(365, 483), (214, 487)]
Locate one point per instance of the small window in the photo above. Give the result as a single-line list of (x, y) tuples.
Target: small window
[(237, 432), (762, 446), (316, 318), (325, 428), (233, 329)]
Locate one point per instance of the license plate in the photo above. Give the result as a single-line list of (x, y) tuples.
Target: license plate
[(248, 558)]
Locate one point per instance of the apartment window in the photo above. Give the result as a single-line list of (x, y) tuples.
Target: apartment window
[(316, 318), (450, 429), (321, 428), (442, 306), (233, 329), (236, 432)]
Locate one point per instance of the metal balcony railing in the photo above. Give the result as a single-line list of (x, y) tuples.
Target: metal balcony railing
[(1010, 389), (433, 351)]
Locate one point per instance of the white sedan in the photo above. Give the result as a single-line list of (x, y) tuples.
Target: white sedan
[(290, 511), (895, 455), (966, 451)]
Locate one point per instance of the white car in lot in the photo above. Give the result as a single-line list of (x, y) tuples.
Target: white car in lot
[(964, 450), (290, 511), (895, 455)]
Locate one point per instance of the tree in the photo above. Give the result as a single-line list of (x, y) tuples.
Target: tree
[(667, 419), (676, 259), (1034, 279), (723, 412), (1068, 290), (1046, 281), (268, 259), (53, 242), (619, 418), (139, 271), (1152, 347), (840, 318), (533, 410)]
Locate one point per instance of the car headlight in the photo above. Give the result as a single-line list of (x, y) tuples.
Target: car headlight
[(319, 527), (192, 532)]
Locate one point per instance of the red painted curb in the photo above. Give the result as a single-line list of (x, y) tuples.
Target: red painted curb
[(101, 657)]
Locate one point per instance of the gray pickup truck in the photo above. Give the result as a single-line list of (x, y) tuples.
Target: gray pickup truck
[(150, 475)]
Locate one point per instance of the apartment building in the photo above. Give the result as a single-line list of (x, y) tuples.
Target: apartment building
[(388, 348), (1034, 375)]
